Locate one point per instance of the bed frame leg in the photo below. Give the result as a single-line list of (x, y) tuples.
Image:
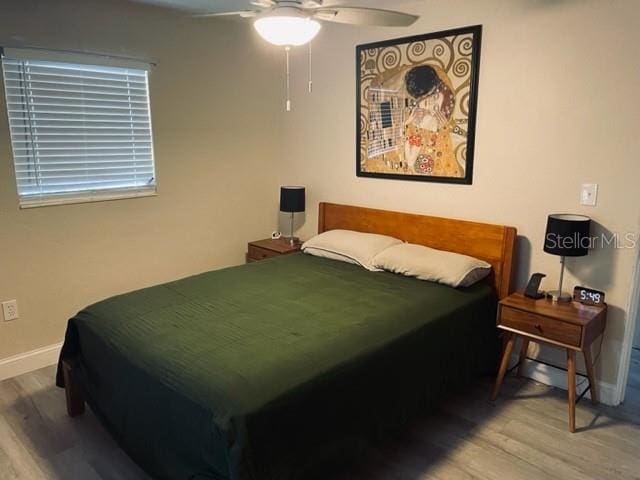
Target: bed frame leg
[(75, 398)]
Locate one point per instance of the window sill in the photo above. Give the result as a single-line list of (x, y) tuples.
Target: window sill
[(90, 197)]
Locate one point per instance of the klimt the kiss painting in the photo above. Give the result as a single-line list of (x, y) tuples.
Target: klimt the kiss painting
[(416, 106)]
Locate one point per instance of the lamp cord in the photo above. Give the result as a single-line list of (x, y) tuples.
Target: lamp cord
[(595, 362)]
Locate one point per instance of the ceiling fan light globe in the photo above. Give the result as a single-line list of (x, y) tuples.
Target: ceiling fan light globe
[(288, 31)]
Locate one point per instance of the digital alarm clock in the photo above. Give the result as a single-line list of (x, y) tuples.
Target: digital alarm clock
[(588, 296)]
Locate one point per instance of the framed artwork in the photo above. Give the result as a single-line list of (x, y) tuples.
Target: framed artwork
[(416, 106)]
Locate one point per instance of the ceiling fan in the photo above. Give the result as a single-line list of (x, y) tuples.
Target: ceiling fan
[(291, 23), (295, 22)]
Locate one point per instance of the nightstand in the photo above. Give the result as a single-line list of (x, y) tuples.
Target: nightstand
[(571, 326), (261, 249)]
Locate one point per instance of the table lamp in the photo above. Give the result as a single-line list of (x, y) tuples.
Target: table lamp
[(567, 235), (292, 201)]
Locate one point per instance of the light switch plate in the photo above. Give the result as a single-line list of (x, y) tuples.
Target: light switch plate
[(589, 194), (10, 310)]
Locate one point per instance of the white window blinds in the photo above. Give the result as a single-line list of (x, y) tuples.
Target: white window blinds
[(77, 130)]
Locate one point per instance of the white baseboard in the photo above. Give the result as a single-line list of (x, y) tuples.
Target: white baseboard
[(29, 361), (556, 377)]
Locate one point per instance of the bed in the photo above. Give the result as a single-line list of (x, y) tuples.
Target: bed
[(289, 367)]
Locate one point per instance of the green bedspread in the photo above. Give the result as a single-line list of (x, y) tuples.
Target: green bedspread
[(279, 369)]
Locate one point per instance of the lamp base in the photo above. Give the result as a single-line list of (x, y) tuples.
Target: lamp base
[(558, 296), (293, 241)]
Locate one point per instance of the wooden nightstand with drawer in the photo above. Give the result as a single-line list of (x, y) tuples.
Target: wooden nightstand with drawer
[(571, 326), (261, 249)]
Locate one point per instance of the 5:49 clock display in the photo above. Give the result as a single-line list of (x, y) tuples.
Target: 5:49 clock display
[(588, 296)]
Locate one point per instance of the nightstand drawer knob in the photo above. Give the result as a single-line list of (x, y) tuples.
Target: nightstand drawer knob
[(538, 327)]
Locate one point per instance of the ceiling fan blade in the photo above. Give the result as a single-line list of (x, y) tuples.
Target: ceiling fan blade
[(242, 13), (262, 3), (365, 16)]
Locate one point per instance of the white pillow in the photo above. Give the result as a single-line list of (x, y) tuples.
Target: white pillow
[(318, 252), (426, 263), (349, 246)]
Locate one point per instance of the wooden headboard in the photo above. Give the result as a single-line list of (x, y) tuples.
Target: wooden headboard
[(492, 243)]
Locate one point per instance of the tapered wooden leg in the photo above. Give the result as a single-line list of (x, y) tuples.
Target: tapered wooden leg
[(523, 355), (75, 399), (508, 348), (571, 386), (593, 387)]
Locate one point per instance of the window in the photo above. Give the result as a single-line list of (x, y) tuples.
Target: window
[(79, 132)]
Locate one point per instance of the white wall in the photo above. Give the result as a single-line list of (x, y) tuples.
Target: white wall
[(216, 137), (558, 106)]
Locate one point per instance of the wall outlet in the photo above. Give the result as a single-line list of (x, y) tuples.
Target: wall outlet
[(10, 310)]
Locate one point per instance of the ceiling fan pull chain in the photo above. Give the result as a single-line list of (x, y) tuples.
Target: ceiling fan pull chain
[(287, 49), (310, 78)]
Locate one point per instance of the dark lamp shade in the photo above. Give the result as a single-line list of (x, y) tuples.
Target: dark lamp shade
[(292, 199), (567, 235)]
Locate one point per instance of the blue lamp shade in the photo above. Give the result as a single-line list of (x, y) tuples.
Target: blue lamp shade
[(292, 199)]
